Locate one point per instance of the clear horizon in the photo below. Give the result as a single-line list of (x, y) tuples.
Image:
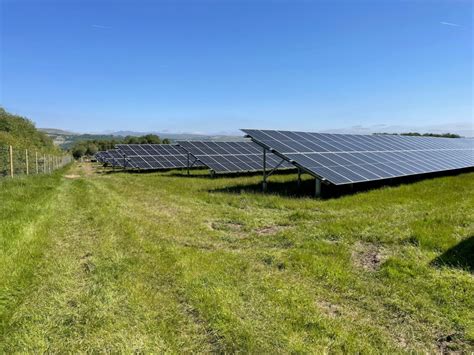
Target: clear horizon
[(212, 68)]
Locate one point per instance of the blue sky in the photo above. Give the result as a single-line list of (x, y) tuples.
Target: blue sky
[(217, 66)]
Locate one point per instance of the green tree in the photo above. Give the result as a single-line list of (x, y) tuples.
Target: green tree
[(91, 149), (22, 133), (79, 151)]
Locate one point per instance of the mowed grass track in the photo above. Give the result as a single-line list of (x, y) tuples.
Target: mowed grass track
[(162, 262)]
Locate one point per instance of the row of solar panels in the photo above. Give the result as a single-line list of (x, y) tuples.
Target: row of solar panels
[(220, 157), (335, 158)]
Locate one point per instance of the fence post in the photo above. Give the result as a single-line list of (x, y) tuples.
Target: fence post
[(26, 159), (36, 162), (11, 161), (44, 164)]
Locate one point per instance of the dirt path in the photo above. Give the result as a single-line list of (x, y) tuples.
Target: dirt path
[(78, 170), (95, 288)]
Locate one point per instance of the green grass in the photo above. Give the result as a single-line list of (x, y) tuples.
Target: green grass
[(162, 262)]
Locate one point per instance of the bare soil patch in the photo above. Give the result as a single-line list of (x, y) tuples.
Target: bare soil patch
[(269, 230), (368, 256), (87, 169), (229, 226), (331, 310), (87, 265), (72, 176), (447, 344)]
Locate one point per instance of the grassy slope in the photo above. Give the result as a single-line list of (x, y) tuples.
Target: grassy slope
[(162, 262)]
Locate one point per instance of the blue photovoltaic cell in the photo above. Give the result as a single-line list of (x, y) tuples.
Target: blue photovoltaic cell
[(345, 158), (111, 157), (227, 157), (156, 156)]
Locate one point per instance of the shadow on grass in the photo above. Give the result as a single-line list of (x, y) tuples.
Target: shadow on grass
[(287, 188), (307, 187), (207, 174), (460, 256), (181, 172)]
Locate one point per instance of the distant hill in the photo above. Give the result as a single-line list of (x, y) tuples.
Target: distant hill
[(21, 132), (57, 131), (66, 139), (180, 136)]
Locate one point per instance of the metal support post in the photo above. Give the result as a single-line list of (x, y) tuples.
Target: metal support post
[(187, 164), (299, 177), (317, 190), (264, 183)]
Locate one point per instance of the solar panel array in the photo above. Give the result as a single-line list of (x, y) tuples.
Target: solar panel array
[(111, 157), (343, 158), (228, 157), (156, 156), (100, 157)]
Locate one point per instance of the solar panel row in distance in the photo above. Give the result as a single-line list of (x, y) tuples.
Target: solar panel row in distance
[(229, 157), (344, 159), (111, 157), (99, 156), (156, 156)]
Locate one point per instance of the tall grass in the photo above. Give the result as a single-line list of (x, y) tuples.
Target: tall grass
[(164, 262)]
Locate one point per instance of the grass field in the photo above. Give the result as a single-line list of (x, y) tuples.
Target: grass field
[(93, 261)]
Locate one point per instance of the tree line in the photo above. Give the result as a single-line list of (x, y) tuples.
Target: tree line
[(416, 134), (90, 147), (20, 132)]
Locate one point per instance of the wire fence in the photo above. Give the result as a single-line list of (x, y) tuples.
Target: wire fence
[(16, 161)]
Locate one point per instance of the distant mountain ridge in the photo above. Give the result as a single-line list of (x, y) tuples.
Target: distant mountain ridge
[(66, 139), (57, 131)]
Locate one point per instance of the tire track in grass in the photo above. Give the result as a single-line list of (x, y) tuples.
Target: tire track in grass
[(95, 293), (246, 306), (213, 284), (158, 262)]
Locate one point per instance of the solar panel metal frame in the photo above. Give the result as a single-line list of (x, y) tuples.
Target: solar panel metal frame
[(156, 156), (407, 166), (112, 157), (242, 153), (99, 156)]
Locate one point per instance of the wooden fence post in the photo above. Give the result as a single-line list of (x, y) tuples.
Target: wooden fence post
[(26, 160), (44, 163), (36, 161), (11, 161)]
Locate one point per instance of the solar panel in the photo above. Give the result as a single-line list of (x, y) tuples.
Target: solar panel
[(99, 156), (156, 156), (111, 157), (344, 158), (228, 157)]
